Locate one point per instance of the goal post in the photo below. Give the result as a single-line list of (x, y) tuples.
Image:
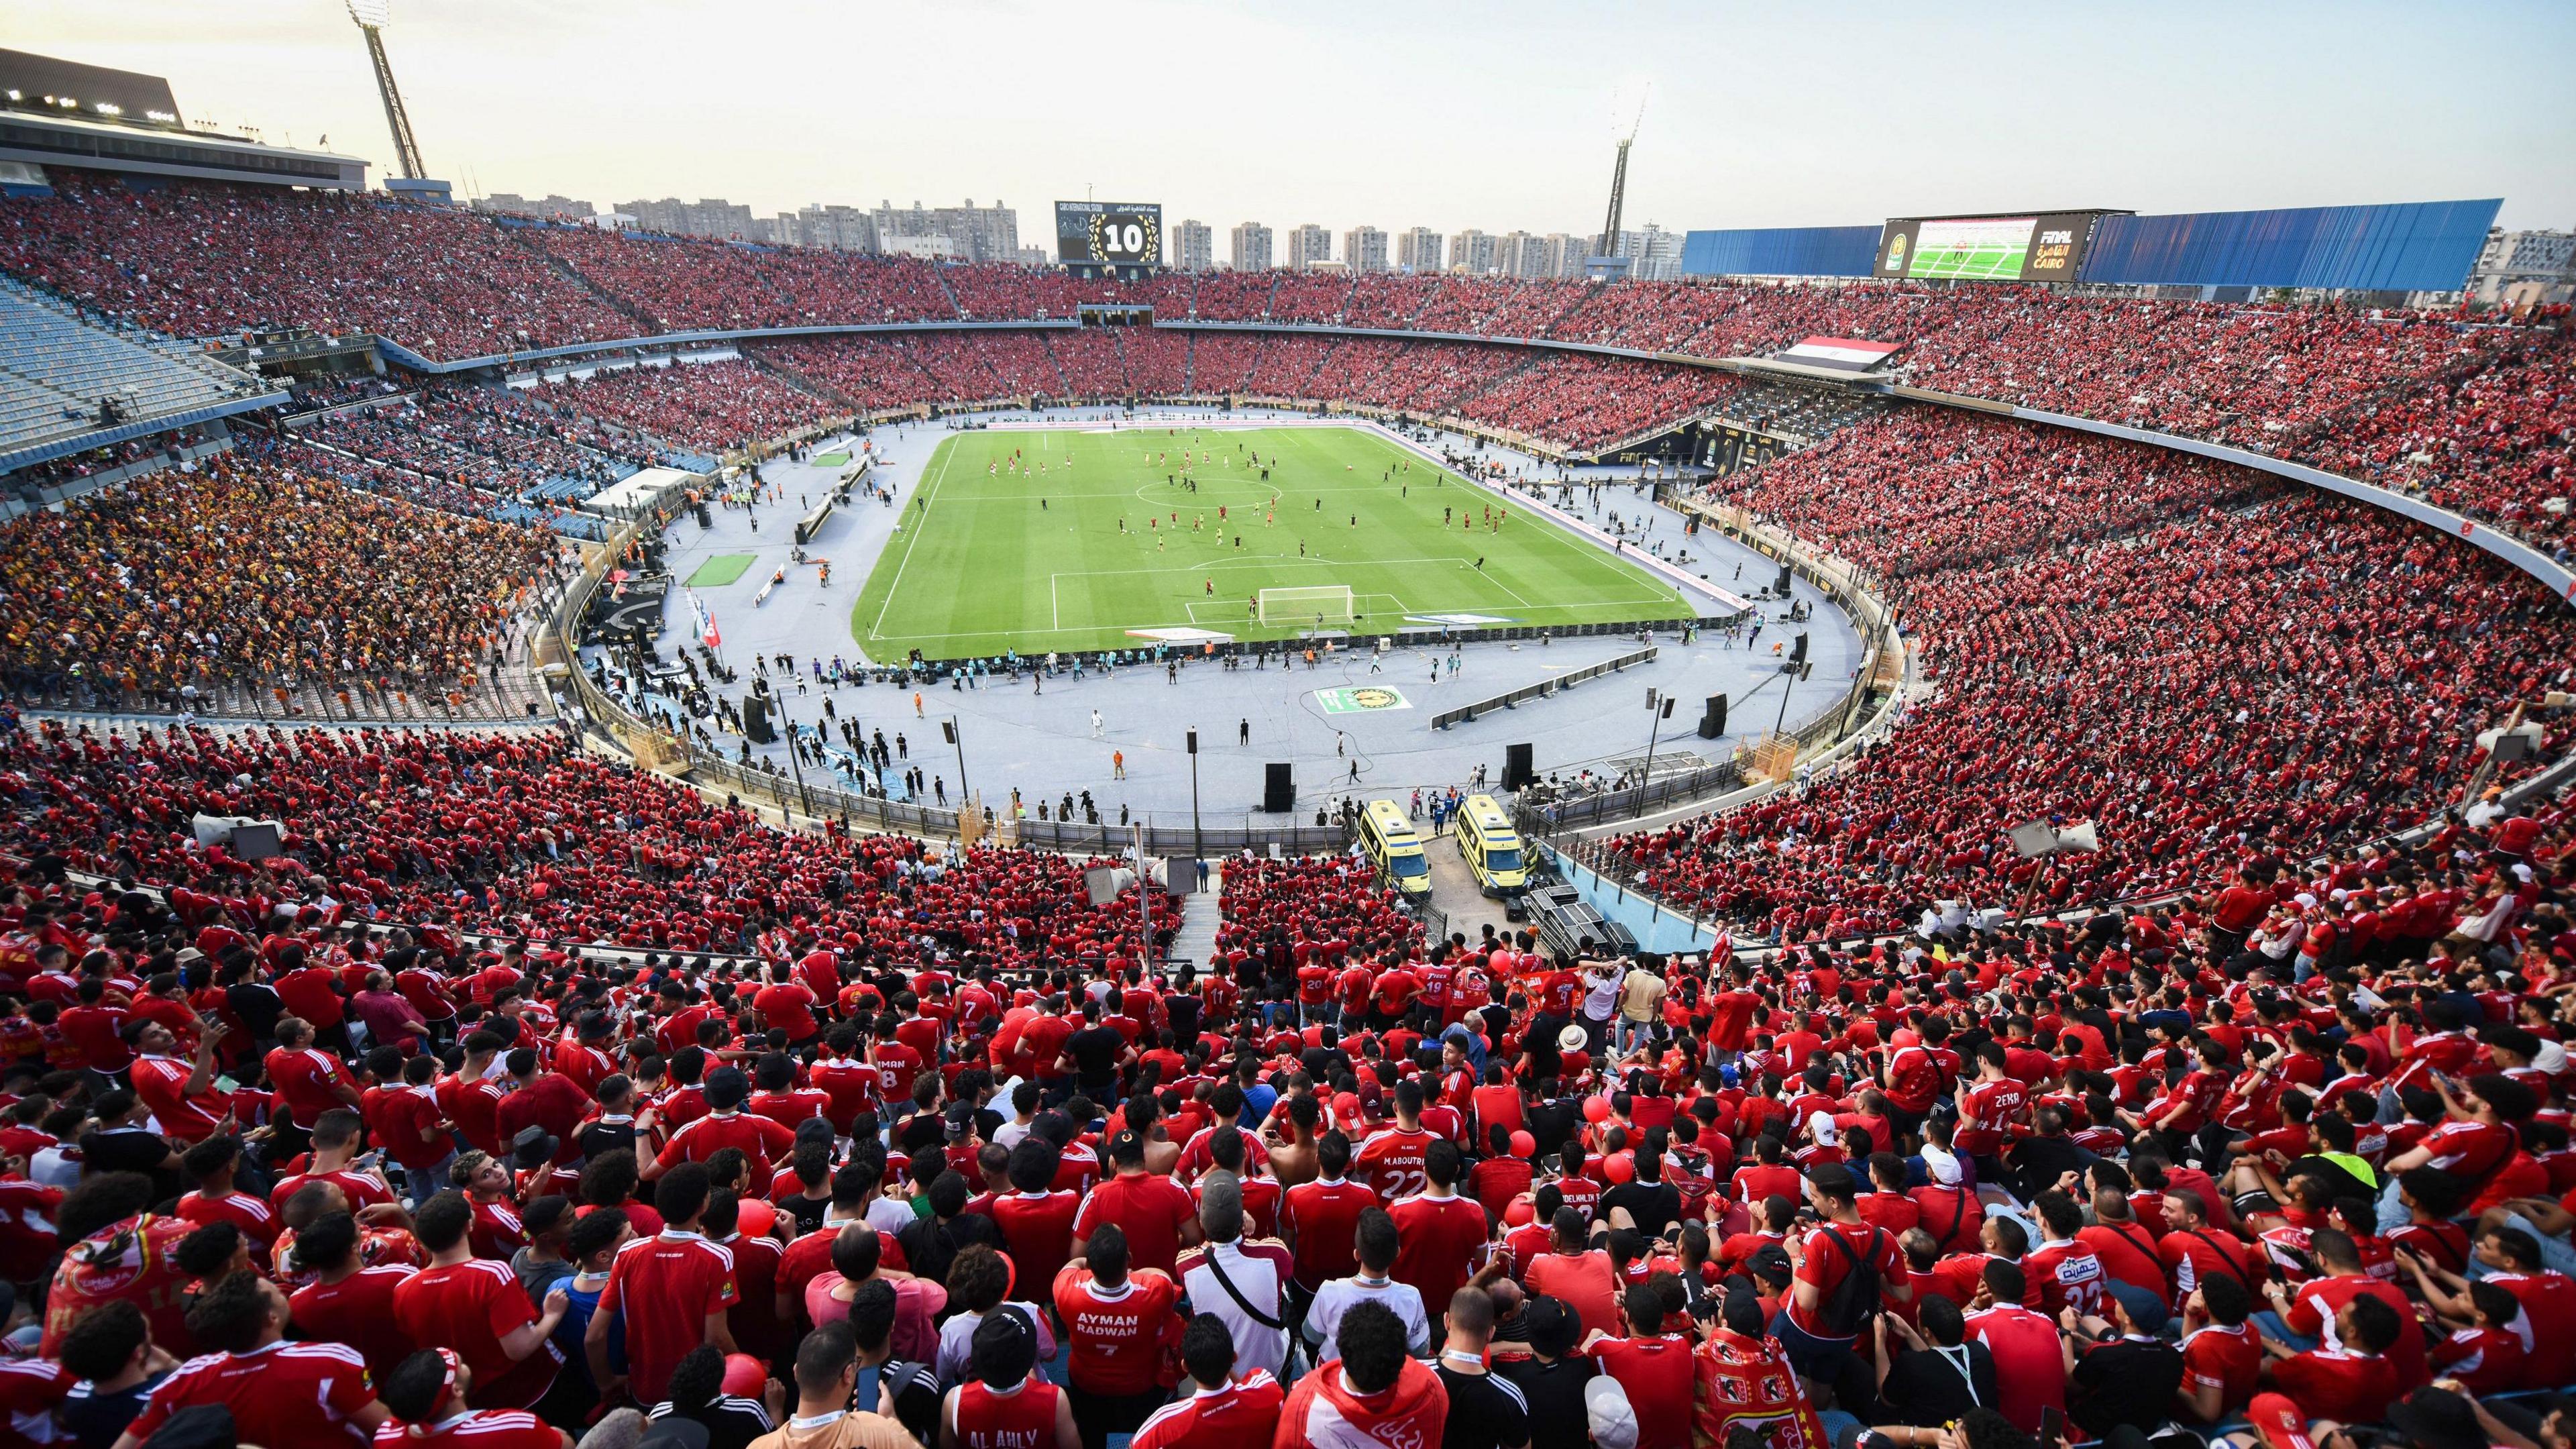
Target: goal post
[(1313, 604)]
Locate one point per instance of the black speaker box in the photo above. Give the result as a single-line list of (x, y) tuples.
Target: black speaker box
[(755, 720), (1279, 789), (1517, 774), (1713, 723)]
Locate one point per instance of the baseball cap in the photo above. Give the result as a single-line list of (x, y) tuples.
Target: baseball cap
[(2146, 1310), (1612, 1418), (1940, 1166)]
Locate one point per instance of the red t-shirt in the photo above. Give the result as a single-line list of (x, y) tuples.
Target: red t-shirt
[(482, 1429), (1323, 1216), (1825, 1266), (359, 1311), (1116, 1334), (668, 1285), (761, 1140), (469, 1307), (284, 1396), (1436, 1239), (1152, 1210), (1390, 1162), (1036, 1229), (1658, 1376), (2030, 1373), (2226, 1359)]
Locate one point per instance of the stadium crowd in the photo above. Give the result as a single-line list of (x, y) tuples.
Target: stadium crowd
[(242, 569), (707, 407), (463, 1121)]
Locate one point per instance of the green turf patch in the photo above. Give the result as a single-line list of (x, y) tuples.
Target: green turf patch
[(721, 570), (995, 554), (1073, 540), (830, 460)]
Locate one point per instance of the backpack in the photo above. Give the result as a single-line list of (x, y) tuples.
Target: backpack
[(1854, 1301)]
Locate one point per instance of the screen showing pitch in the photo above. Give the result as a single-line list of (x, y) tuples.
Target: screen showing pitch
[(2037, 248), (1111, 233)]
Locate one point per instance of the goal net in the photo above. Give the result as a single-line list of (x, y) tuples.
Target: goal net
[(1320, 604)]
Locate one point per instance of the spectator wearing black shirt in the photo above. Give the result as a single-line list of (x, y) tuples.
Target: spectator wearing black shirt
[(1096, 1053), (1551, 1376), (697, 1395), (122, 1143), (111, 1348), (1933, 1376), (1486, 1411), (2129, 1375), (1650, 1202)]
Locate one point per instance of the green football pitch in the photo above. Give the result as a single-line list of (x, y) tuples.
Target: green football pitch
[(1982, 261), (995, 554)]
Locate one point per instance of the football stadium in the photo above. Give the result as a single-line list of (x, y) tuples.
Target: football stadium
[(1890, 817)]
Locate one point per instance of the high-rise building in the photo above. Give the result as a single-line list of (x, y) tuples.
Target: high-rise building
[(829, 228), (1471, 251), (707, 216), (981, 233), (1193, 246), (1520, 254), (505, 203), (1563, 254), (1654, 254), (1308, 245), (1417, 249), (1251, 250), (2521, 268), (1364, 249)]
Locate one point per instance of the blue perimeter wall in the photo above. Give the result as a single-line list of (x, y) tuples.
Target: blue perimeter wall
[(1781, 251), (2415, 246)]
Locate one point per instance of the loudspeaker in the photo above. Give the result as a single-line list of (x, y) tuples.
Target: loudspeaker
[(1517, 774), (1782, 587), (1279, 789), (1798, 648), (755, 720), (1713, 723)]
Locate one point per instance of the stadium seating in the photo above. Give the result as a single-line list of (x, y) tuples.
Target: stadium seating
[(315, 581), (56, 368)]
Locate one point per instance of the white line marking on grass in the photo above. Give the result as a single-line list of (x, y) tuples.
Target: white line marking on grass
[(876, 630)]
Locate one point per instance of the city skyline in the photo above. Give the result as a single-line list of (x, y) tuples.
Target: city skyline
[(1505, 123)]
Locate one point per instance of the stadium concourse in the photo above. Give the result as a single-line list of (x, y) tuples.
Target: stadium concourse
[(520, 1078)]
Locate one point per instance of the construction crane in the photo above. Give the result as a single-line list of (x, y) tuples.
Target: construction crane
[(1636, 118), (372, 16)]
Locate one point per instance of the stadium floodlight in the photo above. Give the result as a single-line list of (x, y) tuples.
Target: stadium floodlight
[(1627, 116), (372, 16)]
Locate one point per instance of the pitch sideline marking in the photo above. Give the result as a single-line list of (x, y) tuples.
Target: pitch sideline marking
[(895, 585)]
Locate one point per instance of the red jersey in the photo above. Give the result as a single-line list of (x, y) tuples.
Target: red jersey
[(1436, 1241), (761, 1140), (1322, 1217), (1657, 1373), (1390, 1162), (1117, 1334), (1020, 1418), (674, 1282), (284, 1396), (1824, 1265), (240, 1209), (1151, 1209), (2226, 1359), (1242, 1415), (358, 1311), (1037, 1228), (129, 1260), (469, 1307), (479, 1429)]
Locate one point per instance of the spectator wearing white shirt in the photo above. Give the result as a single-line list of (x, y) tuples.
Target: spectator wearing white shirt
[(976, 1282), (1376, 1241), (1245, 1288)]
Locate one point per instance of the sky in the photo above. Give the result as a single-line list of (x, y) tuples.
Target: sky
[(1494, 115)]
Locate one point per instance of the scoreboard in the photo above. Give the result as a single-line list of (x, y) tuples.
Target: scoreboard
[(2029, 246), (1109, 233)]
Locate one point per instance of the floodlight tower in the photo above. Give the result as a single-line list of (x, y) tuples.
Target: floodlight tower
[(1633, 112), (372, 16)]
